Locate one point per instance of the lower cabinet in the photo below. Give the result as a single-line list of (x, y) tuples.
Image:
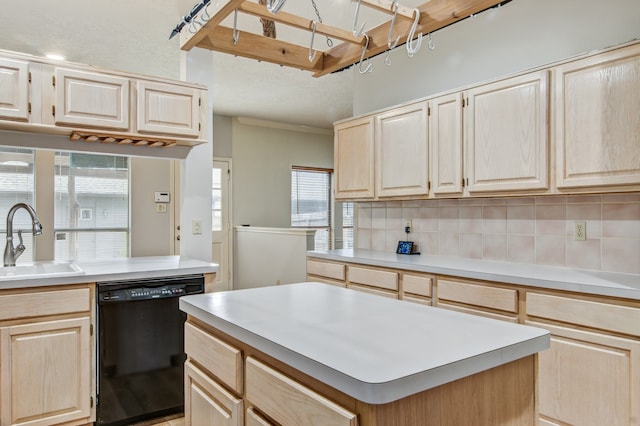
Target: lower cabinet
[(588, 378), (207, 402), (46, 372)]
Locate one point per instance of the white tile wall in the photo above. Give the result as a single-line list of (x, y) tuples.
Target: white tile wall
[(536, 230)]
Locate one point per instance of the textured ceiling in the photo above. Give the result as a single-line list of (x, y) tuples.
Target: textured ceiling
[(133, 36)]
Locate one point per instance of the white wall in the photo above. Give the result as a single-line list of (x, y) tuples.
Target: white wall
[(262, 160), (518, 36)]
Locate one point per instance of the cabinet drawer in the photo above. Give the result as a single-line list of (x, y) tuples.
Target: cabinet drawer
[(206, 402), (501, 317), (254, 419), (326, 269), (289, 402), (221, 359), (417, 284), (326, 281), (42, 303), (374, 277), (605, 316), (479, 295), (370, 290)]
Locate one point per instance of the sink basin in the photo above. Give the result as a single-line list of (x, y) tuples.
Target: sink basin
[(40, 270)]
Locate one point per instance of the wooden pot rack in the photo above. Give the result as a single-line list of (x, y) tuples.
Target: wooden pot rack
[(434, 14)]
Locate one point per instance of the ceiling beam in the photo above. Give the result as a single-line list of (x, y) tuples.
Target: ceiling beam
[(261, 48)]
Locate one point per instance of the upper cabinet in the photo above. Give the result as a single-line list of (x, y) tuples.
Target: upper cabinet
[(353, 159), (14, 90), (90, 99), (401, 154), (506, 127), (94, 104), (597, 119), (445, 140), (168, 109)]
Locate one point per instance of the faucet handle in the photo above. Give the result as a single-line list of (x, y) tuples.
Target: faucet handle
[(21, 246)]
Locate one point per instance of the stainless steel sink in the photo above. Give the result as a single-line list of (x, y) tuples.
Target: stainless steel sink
[(40, 270)]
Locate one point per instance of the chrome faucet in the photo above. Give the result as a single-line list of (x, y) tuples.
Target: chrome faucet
[(11, 254)]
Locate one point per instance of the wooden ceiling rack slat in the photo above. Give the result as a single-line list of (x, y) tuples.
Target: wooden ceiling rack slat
[(434, 14)]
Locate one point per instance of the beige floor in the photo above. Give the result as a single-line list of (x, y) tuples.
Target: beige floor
[(165, 421)]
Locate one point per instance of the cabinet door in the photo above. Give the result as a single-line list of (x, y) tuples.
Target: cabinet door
[(45, 374), (168, 109), (91, 100), (588, 378), (207, 403), (445, 140), (401, 151), (506, 127), (353, 159), (14, 90), (597, 102)]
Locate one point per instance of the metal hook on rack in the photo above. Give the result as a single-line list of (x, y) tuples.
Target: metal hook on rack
[(236, 33), (363, 59), (205, 14), (357, 33), (431, 44), (391, 44), (194, 25), (312, 53), (274, 6), (411, 48)]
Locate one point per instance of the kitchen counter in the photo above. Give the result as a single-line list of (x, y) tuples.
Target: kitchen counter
[(549, 277), (118, 269), (371, 348)]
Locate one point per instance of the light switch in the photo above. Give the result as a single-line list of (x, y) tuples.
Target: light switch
[(196, 227)]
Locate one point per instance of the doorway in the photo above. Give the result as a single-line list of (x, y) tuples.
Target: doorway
[(221, 223)]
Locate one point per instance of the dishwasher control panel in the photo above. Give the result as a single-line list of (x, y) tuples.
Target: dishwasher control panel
[(150, 289)]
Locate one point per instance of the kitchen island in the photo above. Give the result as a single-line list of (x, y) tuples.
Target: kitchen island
[(311, 353)]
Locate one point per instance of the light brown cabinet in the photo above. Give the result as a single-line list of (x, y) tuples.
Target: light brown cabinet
[(289, 402), (597, 101), (591, 373), (207, 403), (168, 109), (401, 152), (89, 99), (354, 159), (479, 298), (46, 347), (42, 96), (14, 90), (506, 130), (445, 141)]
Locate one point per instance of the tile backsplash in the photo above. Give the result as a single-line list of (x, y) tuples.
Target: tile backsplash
[(535, 230)]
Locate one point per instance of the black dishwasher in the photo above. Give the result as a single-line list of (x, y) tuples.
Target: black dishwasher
[(140, 348)]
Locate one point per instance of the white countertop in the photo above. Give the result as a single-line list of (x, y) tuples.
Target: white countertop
[(119, 269), (373, 348), (550, 277)]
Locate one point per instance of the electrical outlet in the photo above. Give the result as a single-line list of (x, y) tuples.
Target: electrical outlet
[(407, 225), (579, 230), (161, 207)]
